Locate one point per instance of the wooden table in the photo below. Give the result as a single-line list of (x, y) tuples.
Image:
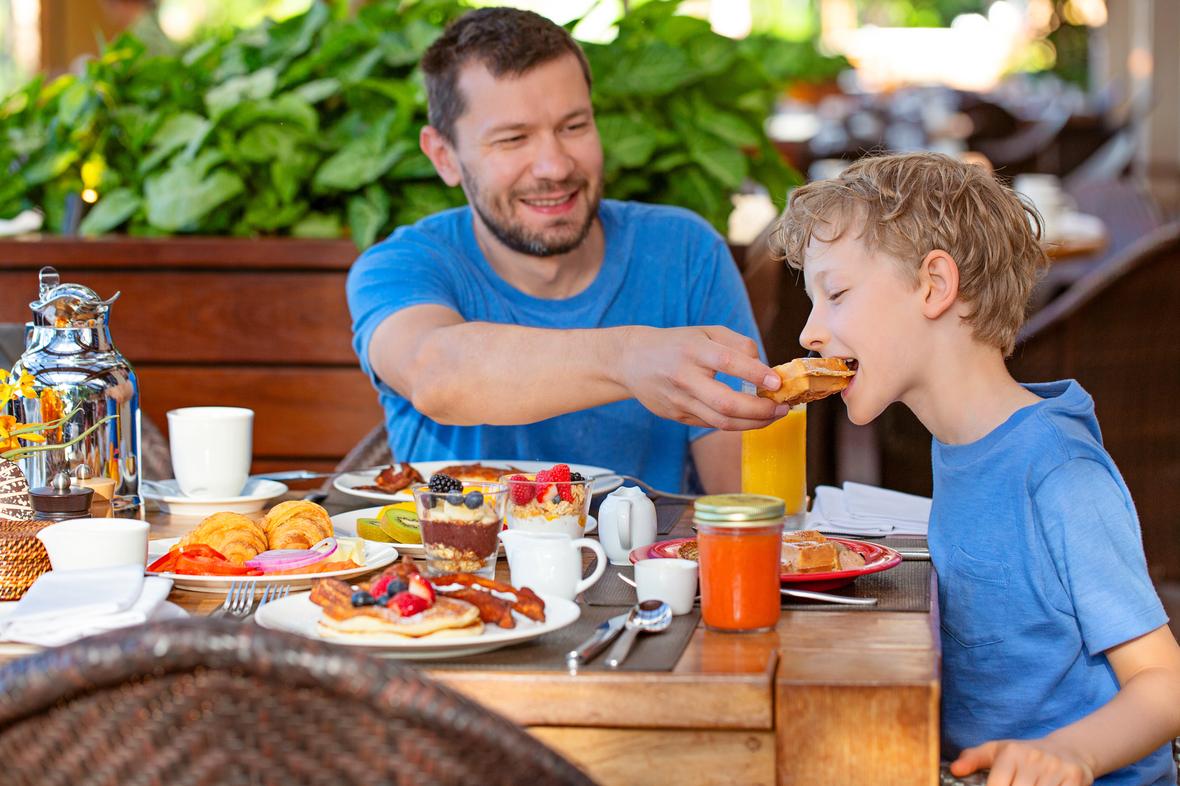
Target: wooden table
[(830, 698)]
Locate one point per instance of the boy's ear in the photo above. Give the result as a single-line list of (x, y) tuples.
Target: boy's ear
[(435, 146), (938, 280)]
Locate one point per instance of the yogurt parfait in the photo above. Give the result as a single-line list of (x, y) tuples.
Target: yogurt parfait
[(552, 500), (460, 523)]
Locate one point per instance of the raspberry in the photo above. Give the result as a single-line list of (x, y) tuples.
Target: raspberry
[(561, 474), (443, 484), (407, 604), (521, 490), (544, 479)]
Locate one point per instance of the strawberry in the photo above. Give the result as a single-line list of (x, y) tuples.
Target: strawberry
[(421, 588), (379, 585), (544, 479), (407, 604), (521, 491)]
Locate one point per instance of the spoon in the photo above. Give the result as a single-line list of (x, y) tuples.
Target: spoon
[(652, 616)]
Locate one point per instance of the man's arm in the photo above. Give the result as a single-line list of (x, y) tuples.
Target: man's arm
[(1143, 715), (718, 459), (464, 373)]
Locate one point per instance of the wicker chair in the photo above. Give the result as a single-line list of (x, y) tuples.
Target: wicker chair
[(211, 702)]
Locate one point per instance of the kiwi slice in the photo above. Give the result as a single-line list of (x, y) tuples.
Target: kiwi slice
[(401, 525), (370, 529)]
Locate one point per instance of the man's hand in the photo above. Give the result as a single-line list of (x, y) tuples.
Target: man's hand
[(1042, 762), (670, 371)]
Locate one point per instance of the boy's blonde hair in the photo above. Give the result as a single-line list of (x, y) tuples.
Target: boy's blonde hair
[(909, 205)]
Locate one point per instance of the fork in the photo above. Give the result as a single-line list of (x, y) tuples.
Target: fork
[(650, 489), (238, 600), (272, 592)]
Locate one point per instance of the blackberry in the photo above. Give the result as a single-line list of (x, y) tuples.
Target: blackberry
[(473, 500), (577, 477), (442, 484)]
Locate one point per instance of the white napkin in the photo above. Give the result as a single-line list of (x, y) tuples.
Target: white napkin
[(66, 605), (858, 509)]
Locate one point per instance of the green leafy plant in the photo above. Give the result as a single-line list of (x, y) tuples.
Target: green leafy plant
[(308, 127)]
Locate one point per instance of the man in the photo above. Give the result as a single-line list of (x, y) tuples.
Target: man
[(542, 322)]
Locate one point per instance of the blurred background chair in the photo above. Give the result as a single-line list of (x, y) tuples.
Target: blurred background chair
[(201, 701)]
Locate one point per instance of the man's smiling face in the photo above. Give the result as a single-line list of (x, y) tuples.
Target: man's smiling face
[(530, 156)]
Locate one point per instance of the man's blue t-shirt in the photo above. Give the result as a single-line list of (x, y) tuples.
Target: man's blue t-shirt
[(1040, 570), (662, 267)]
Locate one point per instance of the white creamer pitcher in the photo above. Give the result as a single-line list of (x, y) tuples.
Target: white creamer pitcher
[(550, 562), (626, 520)]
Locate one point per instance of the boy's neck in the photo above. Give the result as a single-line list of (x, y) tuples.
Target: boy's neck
[(969, 395)]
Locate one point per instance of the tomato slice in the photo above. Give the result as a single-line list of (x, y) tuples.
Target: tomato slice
[(166, 563)]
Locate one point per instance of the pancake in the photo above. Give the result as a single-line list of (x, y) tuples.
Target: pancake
[(367, 629), (339, 615)]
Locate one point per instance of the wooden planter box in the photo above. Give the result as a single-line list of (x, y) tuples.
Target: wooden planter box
[(259, 323)]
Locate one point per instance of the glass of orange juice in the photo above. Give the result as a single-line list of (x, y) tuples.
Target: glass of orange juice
[(774, 460)]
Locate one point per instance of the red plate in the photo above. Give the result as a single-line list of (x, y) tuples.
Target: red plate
[(877, 559)]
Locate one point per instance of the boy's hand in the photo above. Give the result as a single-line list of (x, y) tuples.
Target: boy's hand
[(1042, 762)]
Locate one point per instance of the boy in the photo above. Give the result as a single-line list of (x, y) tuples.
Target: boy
[(1058, 665)]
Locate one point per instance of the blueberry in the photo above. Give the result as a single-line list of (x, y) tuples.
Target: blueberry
[(362, 598), (473, 500), (382, 599), (396, 586), (455, 499)]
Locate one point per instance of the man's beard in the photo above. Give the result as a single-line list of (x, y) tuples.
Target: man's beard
[(520, 239)]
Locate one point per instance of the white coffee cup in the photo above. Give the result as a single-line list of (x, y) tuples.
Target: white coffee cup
[(95, 543), (550, 562), (1046, 194), (626, 520), (211, 450), (673, 581)]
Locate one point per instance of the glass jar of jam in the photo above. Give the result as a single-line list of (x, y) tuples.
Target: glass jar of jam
[(739, 541)]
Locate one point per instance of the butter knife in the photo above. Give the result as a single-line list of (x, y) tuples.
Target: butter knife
[(603, 635)]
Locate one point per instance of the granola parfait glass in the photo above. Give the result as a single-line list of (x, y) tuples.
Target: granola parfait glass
[(460, 524), (548, 501)]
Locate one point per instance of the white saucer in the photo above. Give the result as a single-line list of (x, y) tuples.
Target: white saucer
[(167, 495)]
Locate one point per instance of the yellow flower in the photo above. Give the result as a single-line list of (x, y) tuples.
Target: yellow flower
[(52, 409), (22, 386), (9, 440), (25, 385)]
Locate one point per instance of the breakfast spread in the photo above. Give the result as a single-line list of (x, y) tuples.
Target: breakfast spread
[(295, 537), (804, 551), (552, 500), (402, 602), (810, 379), (459, 523)]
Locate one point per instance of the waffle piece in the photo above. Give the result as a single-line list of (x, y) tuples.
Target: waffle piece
[(809, 379)]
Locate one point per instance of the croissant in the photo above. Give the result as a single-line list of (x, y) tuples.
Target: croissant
[(237, 537), (296, 524)]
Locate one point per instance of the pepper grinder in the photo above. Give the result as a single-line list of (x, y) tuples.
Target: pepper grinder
[(59, 501)]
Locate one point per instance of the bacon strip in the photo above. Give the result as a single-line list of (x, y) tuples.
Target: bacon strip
[(526, 601)]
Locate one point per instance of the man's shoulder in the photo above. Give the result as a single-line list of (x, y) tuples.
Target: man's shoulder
[(647, 218), (436, 231)]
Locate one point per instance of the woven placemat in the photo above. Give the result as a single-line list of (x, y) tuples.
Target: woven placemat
[(652, 651), (610, 590), (904, 588)]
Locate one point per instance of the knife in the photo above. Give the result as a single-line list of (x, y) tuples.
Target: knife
[(603, 635)]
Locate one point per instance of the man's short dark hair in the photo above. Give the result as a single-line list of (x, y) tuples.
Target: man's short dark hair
[(505, 40)]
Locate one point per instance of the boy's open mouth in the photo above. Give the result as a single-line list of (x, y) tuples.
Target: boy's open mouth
[(851, 363)]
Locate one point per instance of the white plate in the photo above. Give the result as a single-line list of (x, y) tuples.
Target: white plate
[(348, 482), (345, 524), (166, 494), (377, 555), (297, 614)]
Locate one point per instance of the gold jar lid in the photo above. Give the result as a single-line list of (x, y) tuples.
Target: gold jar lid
[(738, 510)]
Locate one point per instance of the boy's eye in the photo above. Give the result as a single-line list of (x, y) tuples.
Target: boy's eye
[(836, 295)]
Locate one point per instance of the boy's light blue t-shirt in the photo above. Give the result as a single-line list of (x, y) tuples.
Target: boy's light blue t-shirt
[(662, 267), (1040, 571)]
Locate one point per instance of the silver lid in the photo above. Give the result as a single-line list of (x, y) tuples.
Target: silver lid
[(65, 305)]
